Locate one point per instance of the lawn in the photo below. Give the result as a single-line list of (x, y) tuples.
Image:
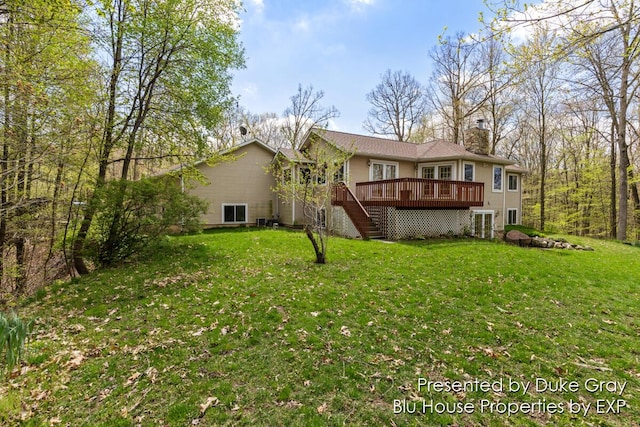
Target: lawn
[(240, 327)]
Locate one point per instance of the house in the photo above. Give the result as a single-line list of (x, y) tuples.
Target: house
[(239, 191), (386, 188)]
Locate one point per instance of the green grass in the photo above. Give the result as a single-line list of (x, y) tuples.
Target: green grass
[(242, 328)]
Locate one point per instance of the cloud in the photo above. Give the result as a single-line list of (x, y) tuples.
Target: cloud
[(302, 24), (257, 5), (359, 5)]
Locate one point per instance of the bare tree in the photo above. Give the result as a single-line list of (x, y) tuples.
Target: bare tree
[(398, 104), (456, 88), (500, 87), (304, 113), (541, 87)]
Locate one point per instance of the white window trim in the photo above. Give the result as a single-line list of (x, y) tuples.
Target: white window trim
[(517, 182), (510, 210), (483, 212), (493, 175), (473, 171), (383, 162), (436, 167), (246, 211)]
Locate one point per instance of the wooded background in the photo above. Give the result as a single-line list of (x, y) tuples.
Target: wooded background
[(95, 95)]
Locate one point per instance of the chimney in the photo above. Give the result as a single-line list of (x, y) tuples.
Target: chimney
[(476, 139)]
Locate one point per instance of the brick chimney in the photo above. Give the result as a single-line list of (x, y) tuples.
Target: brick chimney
[(476, 139)]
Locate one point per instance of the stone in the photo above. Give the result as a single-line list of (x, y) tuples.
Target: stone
[(516, 237), (558, 245), (537, 242), (588, 248)]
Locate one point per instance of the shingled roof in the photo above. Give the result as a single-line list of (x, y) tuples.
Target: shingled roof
[(389, 149)]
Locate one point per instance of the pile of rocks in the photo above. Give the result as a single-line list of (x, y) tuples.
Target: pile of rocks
[(516, 237)]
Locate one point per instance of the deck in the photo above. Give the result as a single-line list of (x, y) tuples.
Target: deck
[(416, 193)]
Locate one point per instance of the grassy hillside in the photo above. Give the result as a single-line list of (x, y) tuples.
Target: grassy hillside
[(241, 328)]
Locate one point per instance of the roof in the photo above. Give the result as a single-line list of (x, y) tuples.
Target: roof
[(516, 169), (389, 149), (292, 155)]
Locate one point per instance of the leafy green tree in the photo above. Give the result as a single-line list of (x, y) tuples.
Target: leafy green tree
[(167, 83), (46, 88)]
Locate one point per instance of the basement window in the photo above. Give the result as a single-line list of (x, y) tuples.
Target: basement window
[(234, 214)]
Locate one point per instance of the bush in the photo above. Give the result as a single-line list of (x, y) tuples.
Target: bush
[(132, 215), (13, 335), (531, 232)]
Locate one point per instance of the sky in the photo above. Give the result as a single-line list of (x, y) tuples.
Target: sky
[(341, 47)]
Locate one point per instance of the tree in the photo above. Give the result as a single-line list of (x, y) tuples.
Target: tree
[(540, 86), (309, 180), (500, 86), (167, 83), (46, 88), (456, 89), (584, 26), (304, 113), (398, 105), (612, 59)]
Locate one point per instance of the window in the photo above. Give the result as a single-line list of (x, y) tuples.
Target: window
[(286, 176), (234, 213), (497, 178), (468, 172), (512, 216), (429, 172), (513, 182), (444, 172), (381, 170), (340, 173), (304, 175)]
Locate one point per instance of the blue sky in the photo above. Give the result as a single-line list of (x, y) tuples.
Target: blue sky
[(340, 47)]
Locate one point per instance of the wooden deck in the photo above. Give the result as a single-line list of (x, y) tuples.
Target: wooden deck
[(417, 193)]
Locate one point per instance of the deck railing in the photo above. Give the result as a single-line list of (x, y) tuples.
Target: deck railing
[(341, 195), (420, 193)]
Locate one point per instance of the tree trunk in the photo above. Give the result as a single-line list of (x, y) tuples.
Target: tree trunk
[(320, 257), (108, 143), (613, 217)]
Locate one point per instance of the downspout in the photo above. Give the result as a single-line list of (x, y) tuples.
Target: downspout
[(294, 175), (520, 195), (505, 188)]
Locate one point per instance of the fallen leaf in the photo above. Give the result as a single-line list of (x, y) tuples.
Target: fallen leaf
[(76, 359), (152, 374), (345, 331), (132, 378), (322, 408), (211, 401)]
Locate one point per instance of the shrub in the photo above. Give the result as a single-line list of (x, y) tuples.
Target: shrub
[(132, 215), (13, 335), (531, 232)]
